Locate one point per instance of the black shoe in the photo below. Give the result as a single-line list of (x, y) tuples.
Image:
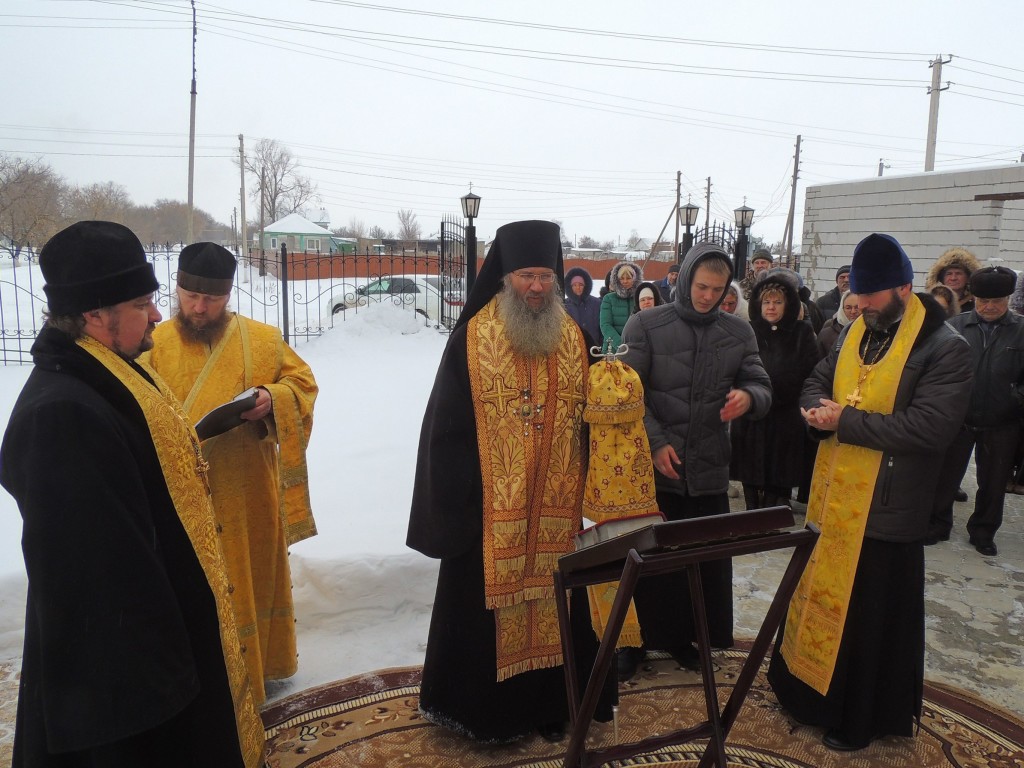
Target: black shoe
[(935, 536), (987, 548), (960, 495), (626, 662), (553, 732), (835, 740)]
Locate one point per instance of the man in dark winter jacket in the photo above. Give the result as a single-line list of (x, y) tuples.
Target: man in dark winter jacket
[(667, 283), (700, 370), (828, 302), (886, 401), (996, 336), (131, 653), (582, 305)]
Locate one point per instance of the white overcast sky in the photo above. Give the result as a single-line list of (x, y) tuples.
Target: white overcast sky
[(576, 110)]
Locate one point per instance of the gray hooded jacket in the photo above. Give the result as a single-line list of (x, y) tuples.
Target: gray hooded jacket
[(688, 361)]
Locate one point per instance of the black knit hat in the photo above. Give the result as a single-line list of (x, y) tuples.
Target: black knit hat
[(94, 264), (993, 282), (843, 270), (674, 268), (762, 253), (206, 268), (879, 262)]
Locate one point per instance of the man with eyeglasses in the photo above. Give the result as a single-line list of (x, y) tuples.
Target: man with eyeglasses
[(498, 496)]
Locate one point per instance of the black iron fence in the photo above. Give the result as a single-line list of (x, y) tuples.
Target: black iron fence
[(303, 294)]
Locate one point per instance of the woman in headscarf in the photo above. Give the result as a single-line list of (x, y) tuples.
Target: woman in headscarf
[(768, 454), (617, 305), (733, 302), (848, 311), (646, 296)]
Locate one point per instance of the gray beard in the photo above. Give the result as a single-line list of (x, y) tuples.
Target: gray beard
[(534, 333)]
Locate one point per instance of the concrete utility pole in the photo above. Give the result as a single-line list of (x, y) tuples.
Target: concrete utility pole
[(707, 211), (933, 111), (675, 242), (241, 171), (792, 205), (192, 129)]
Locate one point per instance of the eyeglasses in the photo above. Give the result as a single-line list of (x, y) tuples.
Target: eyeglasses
[(546, 278)]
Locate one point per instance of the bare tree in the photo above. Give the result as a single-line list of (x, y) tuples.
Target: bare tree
[(587, 242), (106, 201), (634, 240), (379, 233), (354, 228), (277, 180), (408, 227), (30, 203)]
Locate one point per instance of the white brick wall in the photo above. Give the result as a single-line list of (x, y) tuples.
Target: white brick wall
[(926, 212)]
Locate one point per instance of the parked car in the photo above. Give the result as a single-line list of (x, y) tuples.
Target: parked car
[(424, 294)]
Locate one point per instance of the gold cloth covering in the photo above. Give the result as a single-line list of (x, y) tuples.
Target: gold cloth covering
[(183, 467), (620, 474), (842, 487), (529, 415), (257, 474)]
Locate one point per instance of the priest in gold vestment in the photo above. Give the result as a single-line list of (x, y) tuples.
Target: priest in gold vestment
[(258, 476), (498, 496), (885, 403)]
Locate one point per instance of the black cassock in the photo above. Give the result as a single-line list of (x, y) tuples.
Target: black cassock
[(460, 689)]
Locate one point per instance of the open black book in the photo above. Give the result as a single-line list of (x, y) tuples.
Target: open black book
[(227, 416)]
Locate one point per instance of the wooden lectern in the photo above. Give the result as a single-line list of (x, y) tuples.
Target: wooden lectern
[(665, 548)]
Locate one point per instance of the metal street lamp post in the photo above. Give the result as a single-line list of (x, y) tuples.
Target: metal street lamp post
[(744, 218), (470, 209), (689, 212)]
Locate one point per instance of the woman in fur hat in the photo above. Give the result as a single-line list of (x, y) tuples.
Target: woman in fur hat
[(953, 269), (768, 454), (617, 304)]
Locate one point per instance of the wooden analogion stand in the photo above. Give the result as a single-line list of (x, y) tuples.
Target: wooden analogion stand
[(668, 547)]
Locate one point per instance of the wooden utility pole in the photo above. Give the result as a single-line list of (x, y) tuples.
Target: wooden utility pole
[(792, 205), (241, 194), (933, 110), (192, 131)]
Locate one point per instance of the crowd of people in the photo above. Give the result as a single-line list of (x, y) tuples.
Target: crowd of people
[(159, 591)]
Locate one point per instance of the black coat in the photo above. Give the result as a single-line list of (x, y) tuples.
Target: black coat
[(770, 451), (997, 394), (931, 400), (459, 688), (122, 663)]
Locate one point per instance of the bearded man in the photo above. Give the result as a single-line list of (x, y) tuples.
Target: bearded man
[(258, 475), (498, 496), (886, 401), (131, 655)]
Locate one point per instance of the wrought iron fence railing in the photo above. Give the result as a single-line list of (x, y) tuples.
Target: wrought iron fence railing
[(313, 293)]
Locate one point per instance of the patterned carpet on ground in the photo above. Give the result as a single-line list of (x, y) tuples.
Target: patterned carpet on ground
[(372, 720)]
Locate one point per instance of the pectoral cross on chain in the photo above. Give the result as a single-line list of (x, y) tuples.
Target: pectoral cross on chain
[(854, 397)]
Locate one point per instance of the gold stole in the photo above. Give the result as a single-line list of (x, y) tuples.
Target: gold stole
[(235, 351), (842, 487), (184, 471), (529, 416)]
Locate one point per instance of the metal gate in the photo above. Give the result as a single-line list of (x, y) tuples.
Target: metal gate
[(452, 268)]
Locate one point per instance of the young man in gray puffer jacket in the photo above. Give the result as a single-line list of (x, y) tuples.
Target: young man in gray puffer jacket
[(700, 370)]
